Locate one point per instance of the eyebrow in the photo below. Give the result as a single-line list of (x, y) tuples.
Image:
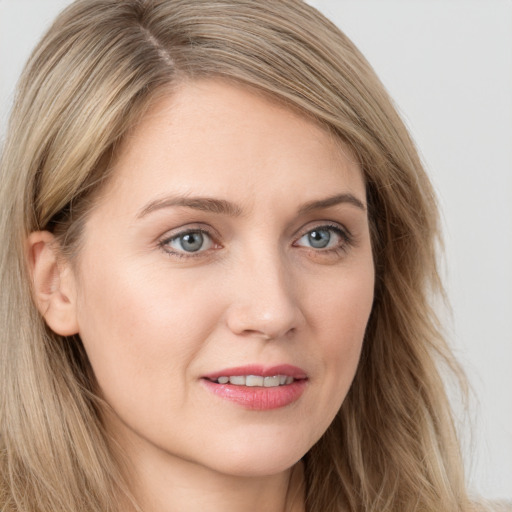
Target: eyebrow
[(332, 201), (205, 204), (221, 206)]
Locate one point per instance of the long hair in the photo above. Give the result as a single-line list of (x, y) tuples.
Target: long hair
[(392, 446)]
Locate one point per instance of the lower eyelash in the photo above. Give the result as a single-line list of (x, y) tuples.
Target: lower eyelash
[(347, 242), (163, 244)]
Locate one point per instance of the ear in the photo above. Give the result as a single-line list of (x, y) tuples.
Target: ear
[(53, 283)]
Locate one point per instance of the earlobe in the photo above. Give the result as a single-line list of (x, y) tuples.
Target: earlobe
[(53, 283)]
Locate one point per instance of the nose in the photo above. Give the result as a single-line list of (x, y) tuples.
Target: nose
[(265, 299)]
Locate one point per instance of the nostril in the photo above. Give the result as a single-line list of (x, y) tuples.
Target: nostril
[(265, 334), (259, 334)]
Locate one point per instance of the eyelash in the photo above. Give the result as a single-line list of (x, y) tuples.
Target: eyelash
[(164, 244), (346, 239), (342, 247)]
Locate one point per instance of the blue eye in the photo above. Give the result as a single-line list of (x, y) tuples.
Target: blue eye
[(323, 237), (189, 242), (319, 238)]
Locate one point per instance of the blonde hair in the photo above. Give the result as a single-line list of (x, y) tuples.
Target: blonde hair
[(393, 445)]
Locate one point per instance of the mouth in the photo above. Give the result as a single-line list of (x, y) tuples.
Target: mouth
[(256, 380), (258, 388)]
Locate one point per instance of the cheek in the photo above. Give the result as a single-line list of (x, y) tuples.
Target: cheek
[(139, 329), (339, 326), (340, 306)]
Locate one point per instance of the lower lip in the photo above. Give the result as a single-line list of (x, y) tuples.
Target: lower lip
[(259, 398)]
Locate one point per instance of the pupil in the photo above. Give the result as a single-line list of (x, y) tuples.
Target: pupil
[(319, 238), (191, 242)]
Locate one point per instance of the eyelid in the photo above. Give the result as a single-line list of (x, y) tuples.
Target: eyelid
[(164, 241), (345, 235), (324, 224)]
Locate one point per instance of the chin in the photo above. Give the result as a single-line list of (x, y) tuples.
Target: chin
[(258, 457), (255, 467)]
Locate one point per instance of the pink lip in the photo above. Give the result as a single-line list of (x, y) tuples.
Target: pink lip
[(258, 398)]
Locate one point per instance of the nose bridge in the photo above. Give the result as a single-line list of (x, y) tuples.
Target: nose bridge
[(264, 300)]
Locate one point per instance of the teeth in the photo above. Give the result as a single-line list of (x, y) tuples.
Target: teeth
[(256, 380), (253, 380), (270, 382)]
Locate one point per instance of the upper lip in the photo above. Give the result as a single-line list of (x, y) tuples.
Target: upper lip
[(264, 371)]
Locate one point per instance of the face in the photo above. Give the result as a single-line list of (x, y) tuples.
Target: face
[(225, 282)]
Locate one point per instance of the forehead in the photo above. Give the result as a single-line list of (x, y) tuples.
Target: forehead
[(211, 137)]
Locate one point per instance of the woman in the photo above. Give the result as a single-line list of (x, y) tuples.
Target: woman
[(219, 250)]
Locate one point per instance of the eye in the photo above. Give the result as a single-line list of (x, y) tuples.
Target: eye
[(190, 241), (324, 238)]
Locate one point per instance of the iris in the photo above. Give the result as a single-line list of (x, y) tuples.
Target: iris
[(191, 242), (319, 238)]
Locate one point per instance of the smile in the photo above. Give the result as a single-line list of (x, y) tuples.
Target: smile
[(258, 388), (256, 380)]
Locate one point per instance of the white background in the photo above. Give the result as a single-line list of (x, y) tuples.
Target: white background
[(448, 65)]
